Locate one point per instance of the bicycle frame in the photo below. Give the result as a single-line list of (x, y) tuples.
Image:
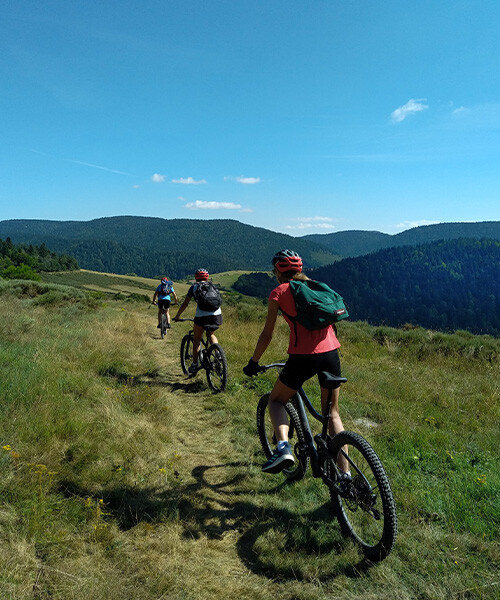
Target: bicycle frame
[(301, 402), (204, 337), (317, 445)]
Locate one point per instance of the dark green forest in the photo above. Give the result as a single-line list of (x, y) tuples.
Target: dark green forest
[(151, 246), (255, 284), (358, 243), (25, 261), (446, 285)]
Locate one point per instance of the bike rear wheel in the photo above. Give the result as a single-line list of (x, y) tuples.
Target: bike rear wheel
[(215, 364), (186, 353), (295, 435), (163, 325), (365, 507)]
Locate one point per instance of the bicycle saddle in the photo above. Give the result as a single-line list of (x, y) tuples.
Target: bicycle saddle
[(330, 381)]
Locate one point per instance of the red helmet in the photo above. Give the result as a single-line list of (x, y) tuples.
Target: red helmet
[(201, 275), (164, 280), (287, 260)]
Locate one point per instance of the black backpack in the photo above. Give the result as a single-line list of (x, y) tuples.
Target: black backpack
[(208, 296), (166, 288)]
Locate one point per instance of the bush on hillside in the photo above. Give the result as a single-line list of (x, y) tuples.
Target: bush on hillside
[(46, 294), (20, 272)]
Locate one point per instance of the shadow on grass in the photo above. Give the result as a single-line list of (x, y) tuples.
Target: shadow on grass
[(230, 505), (174, 382)]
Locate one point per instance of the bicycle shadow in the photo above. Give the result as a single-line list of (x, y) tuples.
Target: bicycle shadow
[(254, 522), (174, 381), (208, 509)]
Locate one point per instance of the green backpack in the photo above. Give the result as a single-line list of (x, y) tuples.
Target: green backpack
[(317, 304)]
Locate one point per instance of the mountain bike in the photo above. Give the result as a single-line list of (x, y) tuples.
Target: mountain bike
[(163, 321), (211, 358), (363, 503)]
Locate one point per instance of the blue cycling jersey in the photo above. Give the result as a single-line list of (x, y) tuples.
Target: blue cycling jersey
[(163, 296)]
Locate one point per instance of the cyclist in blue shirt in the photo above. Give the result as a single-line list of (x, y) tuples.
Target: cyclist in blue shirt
[(164, 292), (204, 320)]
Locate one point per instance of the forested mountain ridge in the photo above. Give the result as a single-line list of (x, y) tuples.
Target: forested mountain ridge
[(445, 285), (152, 246), (357, 243)]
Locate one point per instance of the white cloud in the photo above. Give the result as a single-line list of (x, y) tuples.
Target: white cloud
[(243, 180), (411, 107), (189, 181), (310, 226), (311, 223), (479, 116), (136, 187), (411, 224), (310, 219), (205, 205), (157, 178), (248, 180)]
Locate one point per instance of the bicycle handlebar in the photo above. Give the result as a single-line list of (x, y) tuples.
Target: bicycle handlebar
[(263, 368)]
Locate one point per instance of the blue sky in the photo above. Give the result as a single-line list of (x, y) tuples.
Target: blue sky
[(302, 117)]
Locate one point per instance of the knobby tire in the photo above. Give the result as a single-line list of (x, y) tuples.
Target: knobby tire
[(186, 353), (216, 368), (366, 511)]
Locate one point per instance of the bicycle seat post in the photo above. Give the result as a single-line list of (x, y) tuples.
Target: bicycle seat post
[(326, 415)]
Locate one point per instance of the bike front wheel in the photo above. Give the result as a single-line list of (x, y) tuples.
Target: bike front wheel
[(215, 364), (268, 442), (365, 506), (186, 353)]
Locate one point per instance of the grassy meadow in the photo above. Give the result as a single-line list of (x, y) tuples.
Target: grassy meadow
[(122, 479)]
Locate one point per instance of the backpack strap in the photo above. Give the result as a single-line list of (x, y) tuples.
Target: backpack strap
[(292, 319)]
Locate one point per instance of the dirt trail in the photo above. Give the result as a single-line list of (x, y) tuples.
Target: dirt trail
[(205, 545)]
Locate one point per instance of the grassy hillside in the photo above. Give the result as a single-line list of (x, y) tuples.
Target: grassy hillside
[(122, 479), (110, 284)]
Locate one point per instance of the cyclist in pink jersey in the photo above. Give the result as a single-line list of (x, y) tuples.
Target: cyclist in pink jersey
[(309, 352)]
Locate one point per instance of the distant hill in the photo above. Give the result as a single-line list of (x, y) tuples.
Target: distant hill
[(357, 243), (152, 246), (445, 285)]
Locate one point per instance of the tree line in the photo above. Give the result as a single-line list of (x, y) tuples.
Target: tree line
[(18, 261)]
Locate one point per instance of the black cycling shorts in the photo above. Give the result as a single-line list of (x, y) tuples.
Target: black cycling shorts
[(301, 367), (163, 304), (209, 322)]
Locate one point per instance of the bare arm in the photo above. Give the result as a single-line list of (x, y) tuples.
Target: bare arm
[(267, 333), (182, 308)]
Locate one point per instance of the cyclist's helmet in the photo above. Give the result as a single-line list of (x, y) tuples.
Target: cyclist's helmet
[(201, 275), (164, 280), (287, 260)]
